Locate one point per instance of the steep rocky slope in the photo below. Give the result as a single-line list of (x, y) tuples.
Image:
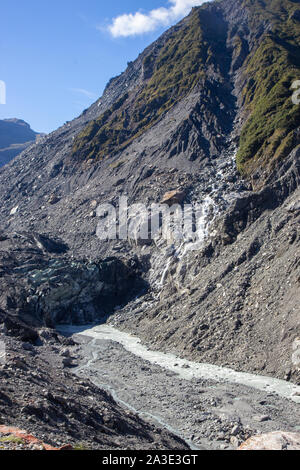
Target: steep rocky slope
[(15, 136), (206, 110), (234, 305)]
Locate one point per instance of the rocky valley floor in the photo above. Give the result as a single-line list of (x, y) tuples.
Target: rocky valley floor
[(39, 394), (206, 413)]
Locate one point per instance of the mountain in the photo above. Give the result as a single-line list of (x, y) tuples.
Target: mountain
[(206, 108), (204, 116), (245, 58), (15, 136)]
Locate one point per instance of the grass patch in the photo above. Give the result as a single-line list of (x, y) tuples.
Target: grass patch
[(180, 65), (269, 133), (81, 446), (117, 164), (170, 75), (11, 439)]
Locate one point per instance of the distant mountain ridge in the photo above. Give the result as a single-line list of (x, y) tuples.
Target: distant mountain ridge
[(15, 136)]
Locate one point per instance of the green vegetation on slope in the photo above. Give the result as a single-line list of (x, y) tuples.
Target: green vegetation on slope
[(270, 132), (180, 64), (169, 76)]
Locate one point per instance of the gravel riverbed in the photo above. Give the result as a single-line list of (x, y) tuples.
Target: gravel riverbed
[(208, 413)]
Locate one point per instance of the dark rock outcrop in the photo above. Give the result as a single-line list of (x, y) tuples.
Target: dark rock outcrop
[(41, 285)]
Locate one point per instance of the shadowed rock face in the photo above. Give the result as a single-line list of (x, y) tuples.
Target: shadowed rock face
[(44, 287), (15, 136)]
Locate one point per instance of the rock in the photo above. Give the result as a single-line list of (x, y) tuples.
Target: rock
[(26, 441), (14, 210), (65, 352), (235, 430), (18, 362), (173, 197), (17, 328), (53, 199), (277, 440), (47, 244), (186, 139), (55, 169), (288, 374), (261, 419), (296, 15), (67, 362), (223, 447), (234, 441)]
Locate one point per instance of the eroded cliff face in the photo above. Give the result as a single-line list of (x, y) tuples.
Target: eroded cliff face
[(206, 110)]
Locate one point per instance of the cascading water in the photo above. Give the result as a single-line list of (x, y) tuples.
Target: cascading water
[(205, 206)]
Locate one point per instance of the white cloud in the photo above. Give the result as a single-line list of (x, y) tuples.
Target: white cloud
[(82, 91), (133, 24)]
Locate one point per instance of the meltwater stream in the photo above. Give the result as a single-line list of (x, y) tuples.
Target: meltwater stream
[(188, 370), (190, 399), (125, 404)]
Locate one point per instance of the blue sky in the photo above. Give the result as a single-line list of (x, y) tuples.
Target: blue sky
[(58, 55)]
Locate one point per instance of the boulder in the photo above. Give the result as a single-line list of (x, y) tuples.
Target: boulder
[(294, 206), (53, 199), (28, 441), (278, 440), (173, 197)]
